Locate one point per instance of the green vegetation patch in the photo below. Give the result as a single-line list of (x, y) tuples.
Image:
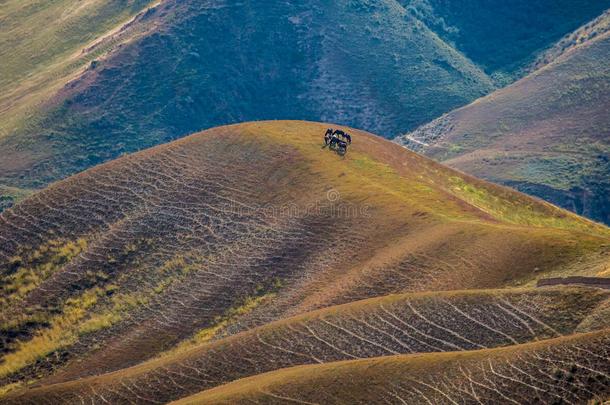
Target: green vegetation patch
[(521, 211), (59, 334), (561, 172), (97, 308), (42, 43)]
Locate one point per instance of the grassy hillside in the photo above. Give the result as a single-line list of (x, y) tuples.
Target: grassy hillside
[(203, 66), (44, 43), (565, 369), (546, 135), (11, 195), (594, 28), (249, 262), (242, 225), (398, 324)]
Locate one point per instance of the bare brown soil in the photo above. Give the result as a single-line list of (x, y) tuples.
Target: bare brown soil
[(599, 282), (565, 370)]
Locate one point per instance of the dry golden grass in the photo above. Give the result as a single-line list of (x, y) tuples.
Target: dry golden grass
[(447, 321)]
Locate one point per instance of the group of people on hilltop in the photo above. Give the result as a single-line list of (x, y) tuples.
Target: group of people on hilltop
[(338, 140)]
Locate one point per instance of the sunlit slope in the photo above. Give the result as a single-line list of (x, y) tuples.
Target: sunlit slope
[(242, 225), (386, 326), (564, 370), (44, 43), (546, 134)]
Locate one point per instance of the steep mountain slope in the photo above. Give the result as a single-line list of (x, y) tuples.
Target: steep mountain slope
[(44, 45), (574, 370), (401, 324), (242, 225), (504, 36), (548, 134), (386, 66), (584, 34)]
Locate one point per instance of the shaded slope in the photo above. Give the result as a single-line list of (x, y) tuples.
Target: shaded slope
[(385, 66), (546, 134), (597, 319), (573, 370), (504, 36), (43, 46), (412, 323), (242, 225), (594, 28)]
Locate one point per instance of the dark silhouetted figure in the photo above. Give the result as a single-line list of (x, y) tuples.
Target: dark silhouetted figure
[(337, 140), (328, 135)]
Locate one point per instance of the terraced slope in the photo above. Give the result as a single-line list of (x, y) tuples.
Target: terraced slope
[(398, 324), (564, 370), (243, 225), (547, 134)]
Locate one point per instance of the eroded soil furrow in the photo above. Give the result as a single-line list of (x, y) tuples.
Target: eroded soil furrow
[(403, 324), (571, 370)]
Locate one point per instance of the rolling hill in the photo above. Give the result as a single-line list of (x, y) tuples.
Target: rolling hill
[(386, 326), (547, 135), (254, 242), (572, 369), (182, 66)]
